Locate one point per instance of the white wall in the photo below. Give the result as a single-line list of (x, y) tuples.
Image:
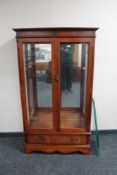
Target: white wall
[(59, 13)]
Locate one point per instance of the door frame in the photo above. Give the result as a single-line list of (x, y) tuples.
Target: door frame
[(90, 42), (23, 84), (55, 85)]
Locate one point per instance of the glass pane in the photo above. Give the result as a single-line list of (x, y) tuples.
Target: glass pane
[(43, 75), (73, 73), (84, 75), (38, 58)]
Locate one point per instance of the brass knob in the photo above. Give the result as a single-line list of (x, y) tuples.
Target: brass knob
[(40, 139), (75, 139)]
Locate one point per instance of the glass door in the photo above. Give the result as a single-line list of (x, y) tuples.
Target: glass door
[(73, 83), (56, 82), (38, 61)]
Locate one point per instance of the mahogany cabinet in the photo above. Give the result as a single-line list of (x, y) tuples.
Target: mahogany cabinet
[(56, 80)]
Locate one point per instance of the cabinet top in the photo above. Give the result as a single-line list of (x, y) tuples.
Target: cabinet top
[(56, 32), (57, 29)]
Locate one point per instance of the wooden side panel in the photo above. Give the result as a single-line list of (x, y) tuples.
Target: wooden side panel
[(21, 66)]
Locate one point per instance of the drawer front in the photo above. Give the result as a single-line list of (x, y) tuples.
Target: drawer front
[(57, 139)]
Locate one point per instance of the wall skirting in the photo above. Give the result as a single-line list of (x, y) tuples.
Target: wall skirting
[(21, 134), (11, 134)]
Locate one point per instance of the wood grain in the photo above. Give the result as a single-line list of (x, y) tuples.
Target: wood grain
[(68, 119)]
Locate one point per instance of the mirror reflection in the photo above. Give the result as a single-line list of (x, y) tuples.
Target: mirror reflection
[(43, 74), (38, 59), (73, 76)]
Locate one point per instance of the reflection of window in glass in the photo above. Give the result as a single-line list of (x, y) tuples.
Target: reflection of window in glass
[(43, 52), (77, 55)]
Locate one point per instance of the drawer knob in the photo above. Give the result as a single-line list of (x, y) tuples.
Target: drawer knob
[(40, 139), (75, 139)]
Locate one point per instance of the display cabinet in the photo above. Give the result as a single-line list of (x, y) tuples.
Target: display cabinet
[(56, 81)]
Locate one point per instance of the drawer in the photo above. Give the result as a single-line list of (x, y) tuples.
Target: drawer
[(57, 139)]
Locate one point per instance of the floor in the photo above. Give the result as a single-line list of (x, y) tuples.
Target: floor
[(13, 161), (68, 119)]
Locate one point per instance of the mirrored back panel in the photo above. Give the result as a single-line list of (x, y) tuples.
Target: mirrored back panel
[(38, 62), (73, 83)]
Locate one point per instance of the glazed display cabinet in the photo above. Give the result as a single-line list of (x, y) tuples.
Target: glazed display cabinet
[(56, 81)]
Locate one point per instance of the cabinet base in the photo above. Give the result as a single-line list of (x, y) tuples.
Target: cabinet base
[(85, 149)]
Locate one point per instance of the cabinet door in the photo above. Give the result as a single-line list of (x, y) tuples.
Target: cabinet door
[(38, 63), (74, 58)]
